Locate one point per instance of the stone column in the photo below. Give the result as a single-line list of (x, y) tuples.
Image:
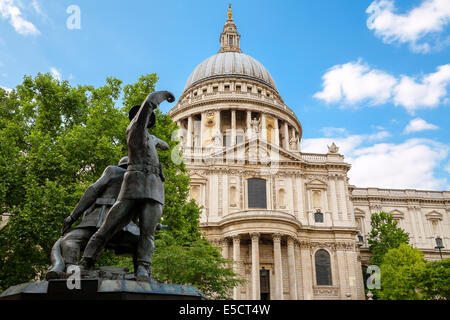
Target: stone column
[(286, 135), (278, 266), (218, 131), (298, 271), (353, 277), (202, 128), (237, 264), (292, 268), (277, 133), (233, 127), (293, 136), (249, 125), (256, 295), (334, 200), (263, 127), (307, 275), (224, 245), (412, 220), (343, 271), (189, 133)]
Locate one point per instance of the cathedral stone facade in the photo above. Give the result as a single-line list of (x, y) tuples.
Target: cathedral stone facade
[(290, 221)]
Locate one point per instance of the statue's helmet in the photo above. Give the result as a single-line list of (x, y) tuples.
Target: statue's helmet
[(123, 162), (153, 100)]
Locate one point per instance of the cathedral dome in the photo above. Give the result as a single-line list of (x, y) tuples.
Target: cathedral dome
[(234, 64)]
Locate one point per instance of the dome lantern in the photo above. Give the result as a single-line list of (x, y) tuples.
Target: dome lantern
[(229, 38)]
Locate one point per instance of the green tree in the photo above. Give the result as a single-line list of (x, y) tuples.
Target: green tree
[(398, 273), (433, 280), (384, 235), (55, 140)]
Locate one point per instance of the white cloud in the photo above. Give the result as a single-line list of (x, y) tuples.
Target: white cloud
[(427, 93), (418, 124), (411, 164), (346, 143), (355, 82), (9, 10), (55, 73), (430, 17)]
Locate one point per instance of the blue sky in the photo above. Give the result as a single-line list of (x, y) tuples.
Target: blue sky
[(371, 75)]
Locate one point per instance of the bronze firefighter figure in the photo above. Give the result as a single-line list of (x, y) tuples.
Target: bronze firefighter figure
[(142, 192), (95, 203)]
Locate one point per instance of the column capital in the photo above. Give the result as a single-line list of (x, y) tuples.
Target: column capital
[(236, 238), (224, 241), (291, 240), (304, 244), (276, 237), (255, 236)]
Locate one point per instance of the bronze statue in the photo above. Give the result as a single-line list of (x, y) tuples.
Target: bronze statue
[(95, 203), (142, 192)]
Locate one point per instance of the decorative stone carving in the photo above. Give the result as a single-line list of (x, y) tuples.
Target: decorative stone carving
[(217, 139), (333, 148), (210, 119), (256, 126), (326, 292)]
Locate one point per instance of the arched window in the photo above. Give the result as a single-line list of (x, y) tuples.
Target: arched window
[(257, 193), (323, 268)]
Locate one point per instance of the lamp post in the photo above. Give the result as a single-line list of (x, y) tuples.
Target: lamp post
[(360, 240), (439, 245)]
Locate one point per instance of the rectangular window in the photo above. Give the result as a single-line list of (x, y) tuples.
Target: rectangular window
[(226, 140), (257, 193), (227, 88), (230, 40), (215, 89), (238, 88), (239, 139)]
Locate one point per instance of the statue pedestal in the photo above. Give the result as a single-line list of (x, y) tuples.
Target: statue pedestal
[(101, 289)]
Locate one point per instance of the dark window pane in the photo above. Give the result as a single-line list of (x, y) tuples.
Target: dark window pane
[(318, 217), (323, 268), (257, 193), (239, 139), (226, 140)]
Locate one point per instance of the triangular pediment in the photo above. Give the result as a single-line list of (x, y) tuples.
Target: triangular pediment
[(316, 183), (195, 177), (434, 215), (256, 150)]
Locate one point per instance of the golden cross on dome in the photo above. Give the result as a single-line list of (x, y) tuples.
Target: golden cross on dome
[(230, 14)]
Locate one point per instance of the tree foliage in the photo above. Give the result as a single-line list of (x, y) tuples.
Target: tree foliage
[(398, 280), (433, 280), (384, 235), (56, 140)]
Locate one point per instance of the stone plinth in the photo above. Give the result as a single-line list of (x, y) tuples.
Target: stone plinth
[(100, 289)]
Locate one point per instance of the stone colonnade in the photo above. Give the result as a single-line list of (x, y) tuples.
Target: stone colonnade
[(299, 287), (291, 139)]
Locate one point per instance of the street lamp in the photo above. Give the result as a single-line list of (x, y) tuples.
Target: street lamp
[(360, 240), (439, 245)]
